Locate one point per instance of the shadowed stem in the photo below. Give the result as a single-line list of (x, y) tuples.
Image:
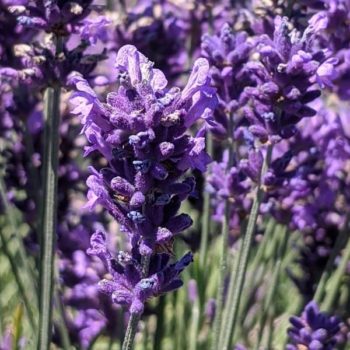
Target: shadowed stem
[(62, 322), (336, 281), (274, 283), (244, 256), (160, 324), (341, 238), (252, 280), (224, 251), (206, 214), (49, 210)]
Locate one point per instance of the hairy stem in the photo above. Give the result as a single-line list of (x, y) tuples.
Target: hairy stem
[(223, 256), (336, 281), (206, 215), (274, 283), (339, 243), (49, 213), (128, 343)]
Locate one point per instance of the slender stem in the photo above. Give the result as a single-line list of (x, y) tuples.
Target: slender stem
[(257, 262), (194, 326), (337, 280), (270, 333), (330, 263), (231, 289), (157, 345), (224, 250), (243, 262), (128, 343), (62, 323), (274, 283), (206, 214), (49, 213)]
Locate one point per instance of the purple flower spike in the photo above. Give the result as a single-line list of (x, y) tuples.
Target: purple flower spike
[(314, 330), (141, 132)]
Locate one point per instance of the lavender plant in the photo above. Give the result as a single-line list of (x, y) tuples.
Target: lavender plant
[(141, 133), (231, 180)]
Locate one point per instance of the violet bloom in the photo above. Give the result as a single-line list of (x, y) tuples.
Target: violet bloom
[(141, 132), (331, 23), (314, 330), (127, 286), (158, 29), (60, 17), (232, 185), (228, 53), (34, 61), (289, 75), (308, 187)]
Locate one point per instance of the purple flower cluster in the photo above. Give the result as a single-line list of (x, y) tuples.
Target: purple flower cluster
[(314, 330), (263, 84), (147, 24), (141, 132), (60, 17), (268, 81)]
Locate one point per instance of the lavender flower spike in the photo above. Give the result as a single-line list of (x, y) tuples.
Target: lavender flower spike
[(314, 330), (141, 132)]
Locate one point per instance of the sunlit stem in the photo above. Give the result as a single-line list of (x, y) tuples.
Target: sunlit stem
[(244, 255), (49, 209), (339, 243), (224, 246), (335, 282), (206, 214)]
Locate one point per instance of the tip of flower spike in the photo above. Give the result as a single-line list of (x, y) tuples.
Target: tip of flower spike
[(184, 261)]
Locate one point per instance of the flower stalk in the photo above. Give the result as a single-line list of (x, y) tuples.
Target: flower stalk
[(244, 255), (339, 243), (274, 283), (49, 210), (336, 281), (206, 214), (224, 252)]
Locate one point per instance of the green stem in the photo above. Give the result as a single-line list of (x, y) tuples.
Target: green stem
[(231, 289), (337, 280), (62, 323), (160, 324), (273, 287), (256, 264), (270, 331), (194, 326), (224, 250), (49, 213), (330, 263), (128, 343), (206, 215), (243, 261)]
